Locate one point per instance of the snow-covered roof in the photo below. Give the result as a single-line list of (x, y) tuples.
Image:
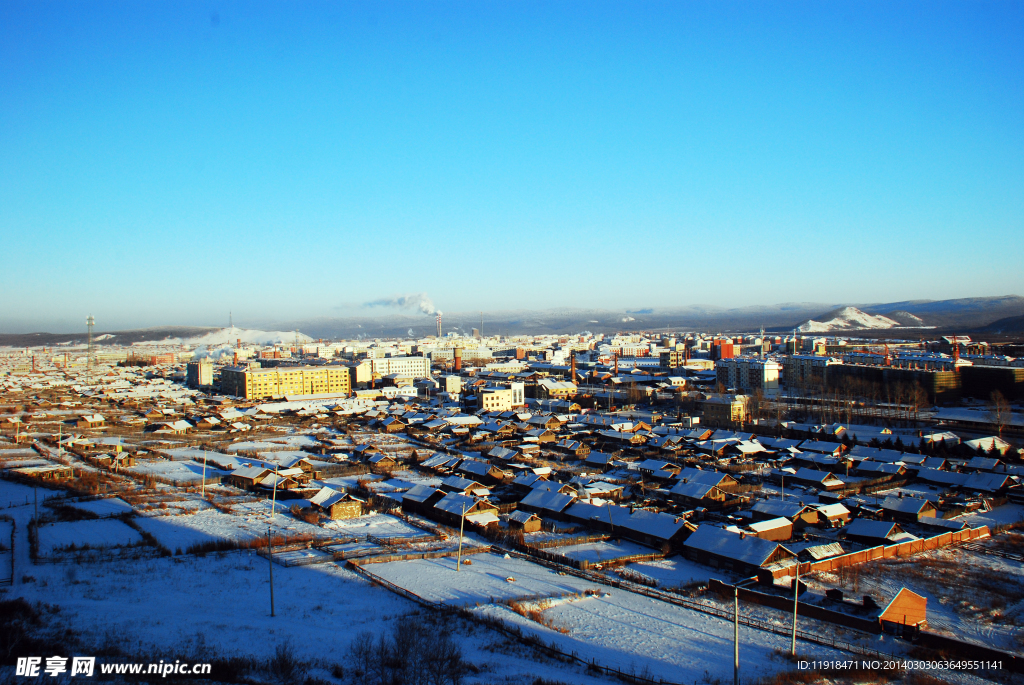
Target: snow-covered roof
[(548, 500), (748, 549), (327, 497)]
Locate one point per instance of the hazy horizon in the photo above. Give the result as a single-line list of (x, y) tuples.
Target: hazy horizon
[(467, 317)]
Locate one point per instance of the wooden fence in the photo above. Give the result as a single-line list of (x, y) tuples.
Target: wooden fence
[(886, 552), (384, 558), (565, 542)]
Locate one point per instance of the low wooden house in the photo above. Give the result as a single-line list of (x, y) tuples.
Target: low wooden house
[(421, 499), (833, 515), (776, 529), (575, 448), (90, 421), (907, 610), (382, 461), (393, 424), (800, 514), (50, 472), (907, 509), (337, 505), (868, 532), (524, 521), (451, 508), (482, 471), (737, 552), (247, 477)]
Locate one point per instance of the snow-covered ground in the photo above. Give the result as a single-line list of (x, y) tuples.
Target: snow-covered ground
[(674, 572), (17, 494), (288, 442), (111, 506), (193, 453), (485, 580), (1000, 516), (96, 533), (250, 522), (596, 552), (17, 453), (182, 471), (218, 606), (616, 627), (377, 525)]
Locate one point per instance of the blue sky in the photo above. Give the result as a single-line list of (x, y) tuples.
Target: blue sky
[(164, 163)]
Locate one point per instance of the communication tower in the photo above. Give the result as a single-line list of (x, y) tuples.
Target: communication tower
[(90, 322)]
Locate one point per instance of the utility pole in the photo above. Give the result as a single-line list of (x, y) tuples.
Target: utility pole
[(462, 525), (735, 635), (796, 594), (273, 502), (270, 558)]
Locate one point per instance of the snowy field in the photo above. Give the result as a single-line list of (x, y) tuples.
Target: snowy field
[(182, 471), (484, 581), (112, 506), (290, 442), (596, 552), (378, 525), (675, 572), (180, 532), (54, 537), (193, 453), (619, 628), (1000, 516), (189, 608), (17, 454), (16, 494)]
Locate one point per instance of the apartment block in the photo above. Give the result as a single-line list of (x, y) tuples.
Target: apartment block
[(256, 383)]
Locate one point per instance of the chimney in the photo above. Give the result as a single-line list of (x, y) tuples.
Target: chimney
[(238, 343), (458, 359)]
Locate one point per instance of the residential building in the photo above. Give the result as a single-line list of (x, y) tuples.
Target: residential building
[(749, 374), (258, 383), (199, 374)]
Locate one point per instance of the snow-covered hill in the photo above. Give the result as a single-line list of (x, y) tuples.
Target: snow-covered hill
[(222, 341), (847, 319), (228, 336)]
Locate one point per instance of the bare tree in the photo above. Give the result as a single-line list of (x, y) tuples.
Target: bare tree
[(998, 411)]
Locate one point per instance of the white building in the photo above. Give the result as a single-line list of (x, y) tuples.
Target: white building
[(748, 374), (417, 367)]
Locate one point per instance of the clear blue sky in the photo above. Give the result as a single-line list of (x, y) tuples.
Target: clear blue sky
[(166, 162)]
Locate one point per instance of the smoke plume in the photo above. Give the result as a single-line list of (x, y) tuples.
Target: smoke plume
[(418, 301)]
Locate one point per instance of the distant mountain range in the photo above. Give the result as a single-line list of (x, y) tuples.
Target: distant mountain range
[(168, 335), (991, 315)]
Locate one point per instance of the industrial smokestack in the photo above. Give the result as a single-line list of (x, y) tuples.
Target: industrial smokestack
[(458, 359)]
